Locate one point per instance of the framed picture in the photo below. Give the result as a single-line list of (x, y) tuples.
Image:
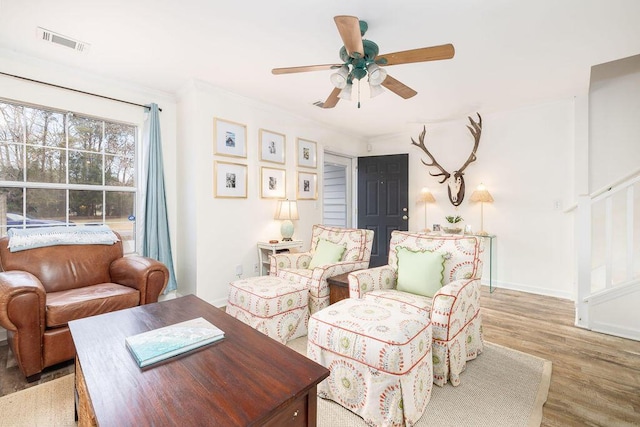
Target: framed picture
[(436, 228), (230, 138), (307, 153), (273, 183), (307, 186), (272, 146), (230, 180)]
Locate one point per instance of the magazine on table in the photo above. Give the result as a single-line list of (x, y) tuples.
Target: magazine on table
[(163, 343)]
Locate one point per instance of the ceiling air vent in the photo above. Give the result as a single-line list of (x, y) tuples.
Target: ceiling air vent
[(59, 39)]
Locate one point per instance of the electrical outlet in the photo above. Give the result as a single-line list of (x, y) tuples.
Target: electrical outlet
[(238, 270), (256, 268)]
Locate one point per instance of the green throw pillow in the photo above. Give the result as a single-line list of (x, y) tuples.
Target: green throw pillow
[(326, 253), (420, 272)]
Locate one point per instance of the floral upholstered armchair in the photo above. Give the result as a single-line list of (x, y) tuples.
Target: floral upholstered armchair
[(454, 308), (313, 268)]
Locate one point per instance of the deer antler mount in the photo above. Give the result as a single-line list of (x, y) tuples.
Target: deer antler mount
[(455, 181)]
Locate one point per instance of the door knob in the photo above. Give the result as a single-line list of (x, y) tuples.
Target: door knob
[(405, 217), (404, 209)]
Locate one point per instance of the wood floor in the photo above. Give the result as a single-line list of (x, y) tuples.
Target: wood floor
[(596, 377)]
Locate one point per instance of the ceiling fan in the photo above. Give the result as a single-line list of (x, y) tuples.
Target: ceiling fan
[(360, 58)]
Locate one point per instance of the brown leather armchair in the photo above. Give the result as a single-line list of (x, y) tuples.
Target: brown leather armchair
[(42, 289)]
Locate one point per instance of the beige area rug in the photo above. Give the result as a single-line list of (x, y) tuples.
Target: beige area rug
[(48, 404), (502, 387)]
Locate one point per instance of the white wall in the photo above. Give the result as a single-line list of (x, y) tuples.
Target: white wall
[(38, 94), (614, 124), (525, 158), (217, 235)]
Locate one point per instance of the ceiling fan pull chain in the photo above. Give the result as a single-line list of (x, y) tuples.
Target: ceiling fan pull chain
[(358, 93)]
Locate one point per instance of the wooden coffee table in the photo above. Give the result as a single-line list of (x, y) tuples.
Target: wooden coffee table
[(245, 379)]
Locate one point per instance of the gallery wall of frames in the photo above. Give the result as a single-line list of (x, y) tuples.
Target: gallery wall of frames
[(231, 172)]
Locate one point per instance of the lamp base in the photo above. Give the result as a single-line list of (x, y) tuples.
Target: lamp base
[(286, 230)]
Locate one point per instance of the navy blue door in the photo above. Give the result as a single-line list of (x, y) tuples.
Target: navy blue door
[(383, 200)]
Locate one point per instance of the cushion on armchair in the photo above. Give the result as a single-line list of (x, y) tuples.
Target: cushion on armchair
[(326, 253), (420, 272)]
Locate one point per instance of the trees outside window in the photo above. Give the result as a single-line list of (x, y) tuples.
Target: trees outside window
[(60, 168)]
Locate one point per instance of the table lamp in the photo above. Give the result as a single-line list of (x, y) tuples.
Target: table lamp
[(286, 211), (426, 197), (481, 195)]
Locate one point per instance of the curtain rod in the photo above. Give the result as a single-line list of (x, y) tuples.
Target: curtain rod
[(76, 90)]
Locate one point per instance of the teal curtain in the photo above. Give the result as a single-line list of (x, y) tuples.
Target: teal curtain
[(156, 242)]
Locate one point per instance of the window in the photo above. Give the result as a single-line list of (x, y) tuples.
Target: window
[(60, 168), (337, 203)]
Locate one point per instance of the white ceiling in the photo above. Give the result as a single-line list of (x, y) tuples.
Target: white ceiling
[(508, 53)]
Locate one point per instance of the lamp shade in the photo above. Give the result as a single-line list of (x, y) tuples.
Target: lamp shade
[(481, 194), (287, 209), (426, 196)]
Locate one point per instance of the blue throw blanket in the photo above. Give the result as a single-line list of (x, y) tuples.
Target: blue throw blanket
[(30, 238)]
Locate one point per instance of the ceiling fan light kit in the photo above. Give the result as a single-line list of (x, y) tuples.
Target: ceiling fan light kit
[(376, 74), (375, 90), (345, 93), (339, 78), (360, 58)]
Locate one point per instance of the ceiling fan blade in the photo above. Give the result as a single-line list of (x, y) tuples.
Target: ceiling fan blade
[(349, 29), (333, 99), (398, 88), (433, 53), (305, 68)]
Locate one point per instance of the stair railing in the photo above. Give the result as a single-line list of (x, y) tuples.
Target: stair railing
[(585, 226)]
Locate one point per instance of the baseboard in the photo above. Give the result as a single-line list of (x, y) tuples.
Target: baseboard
[(169, 295), (533, 290), (220, 302), (615, 330)]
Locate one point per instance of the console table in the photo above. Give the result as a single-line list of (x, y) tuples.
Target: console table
[(492, 249)]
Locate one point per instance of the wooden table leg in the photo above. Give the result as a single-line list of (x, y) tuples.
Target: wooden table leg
[(84, 409), (312, 405)]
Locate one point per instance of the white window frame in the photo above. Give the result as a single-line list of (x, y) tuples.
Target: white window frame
[(106, 111)]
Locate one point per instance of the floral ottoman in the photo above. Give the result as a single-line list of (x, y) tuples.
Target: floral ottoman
[(379, 357), (273, 306)]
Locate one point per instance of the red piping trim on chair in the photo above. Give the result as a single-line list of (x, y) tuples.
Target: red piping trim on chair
[(266, 317), (371, 336), (461, 329), (302, 288), (455, 299), (379, 340)]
